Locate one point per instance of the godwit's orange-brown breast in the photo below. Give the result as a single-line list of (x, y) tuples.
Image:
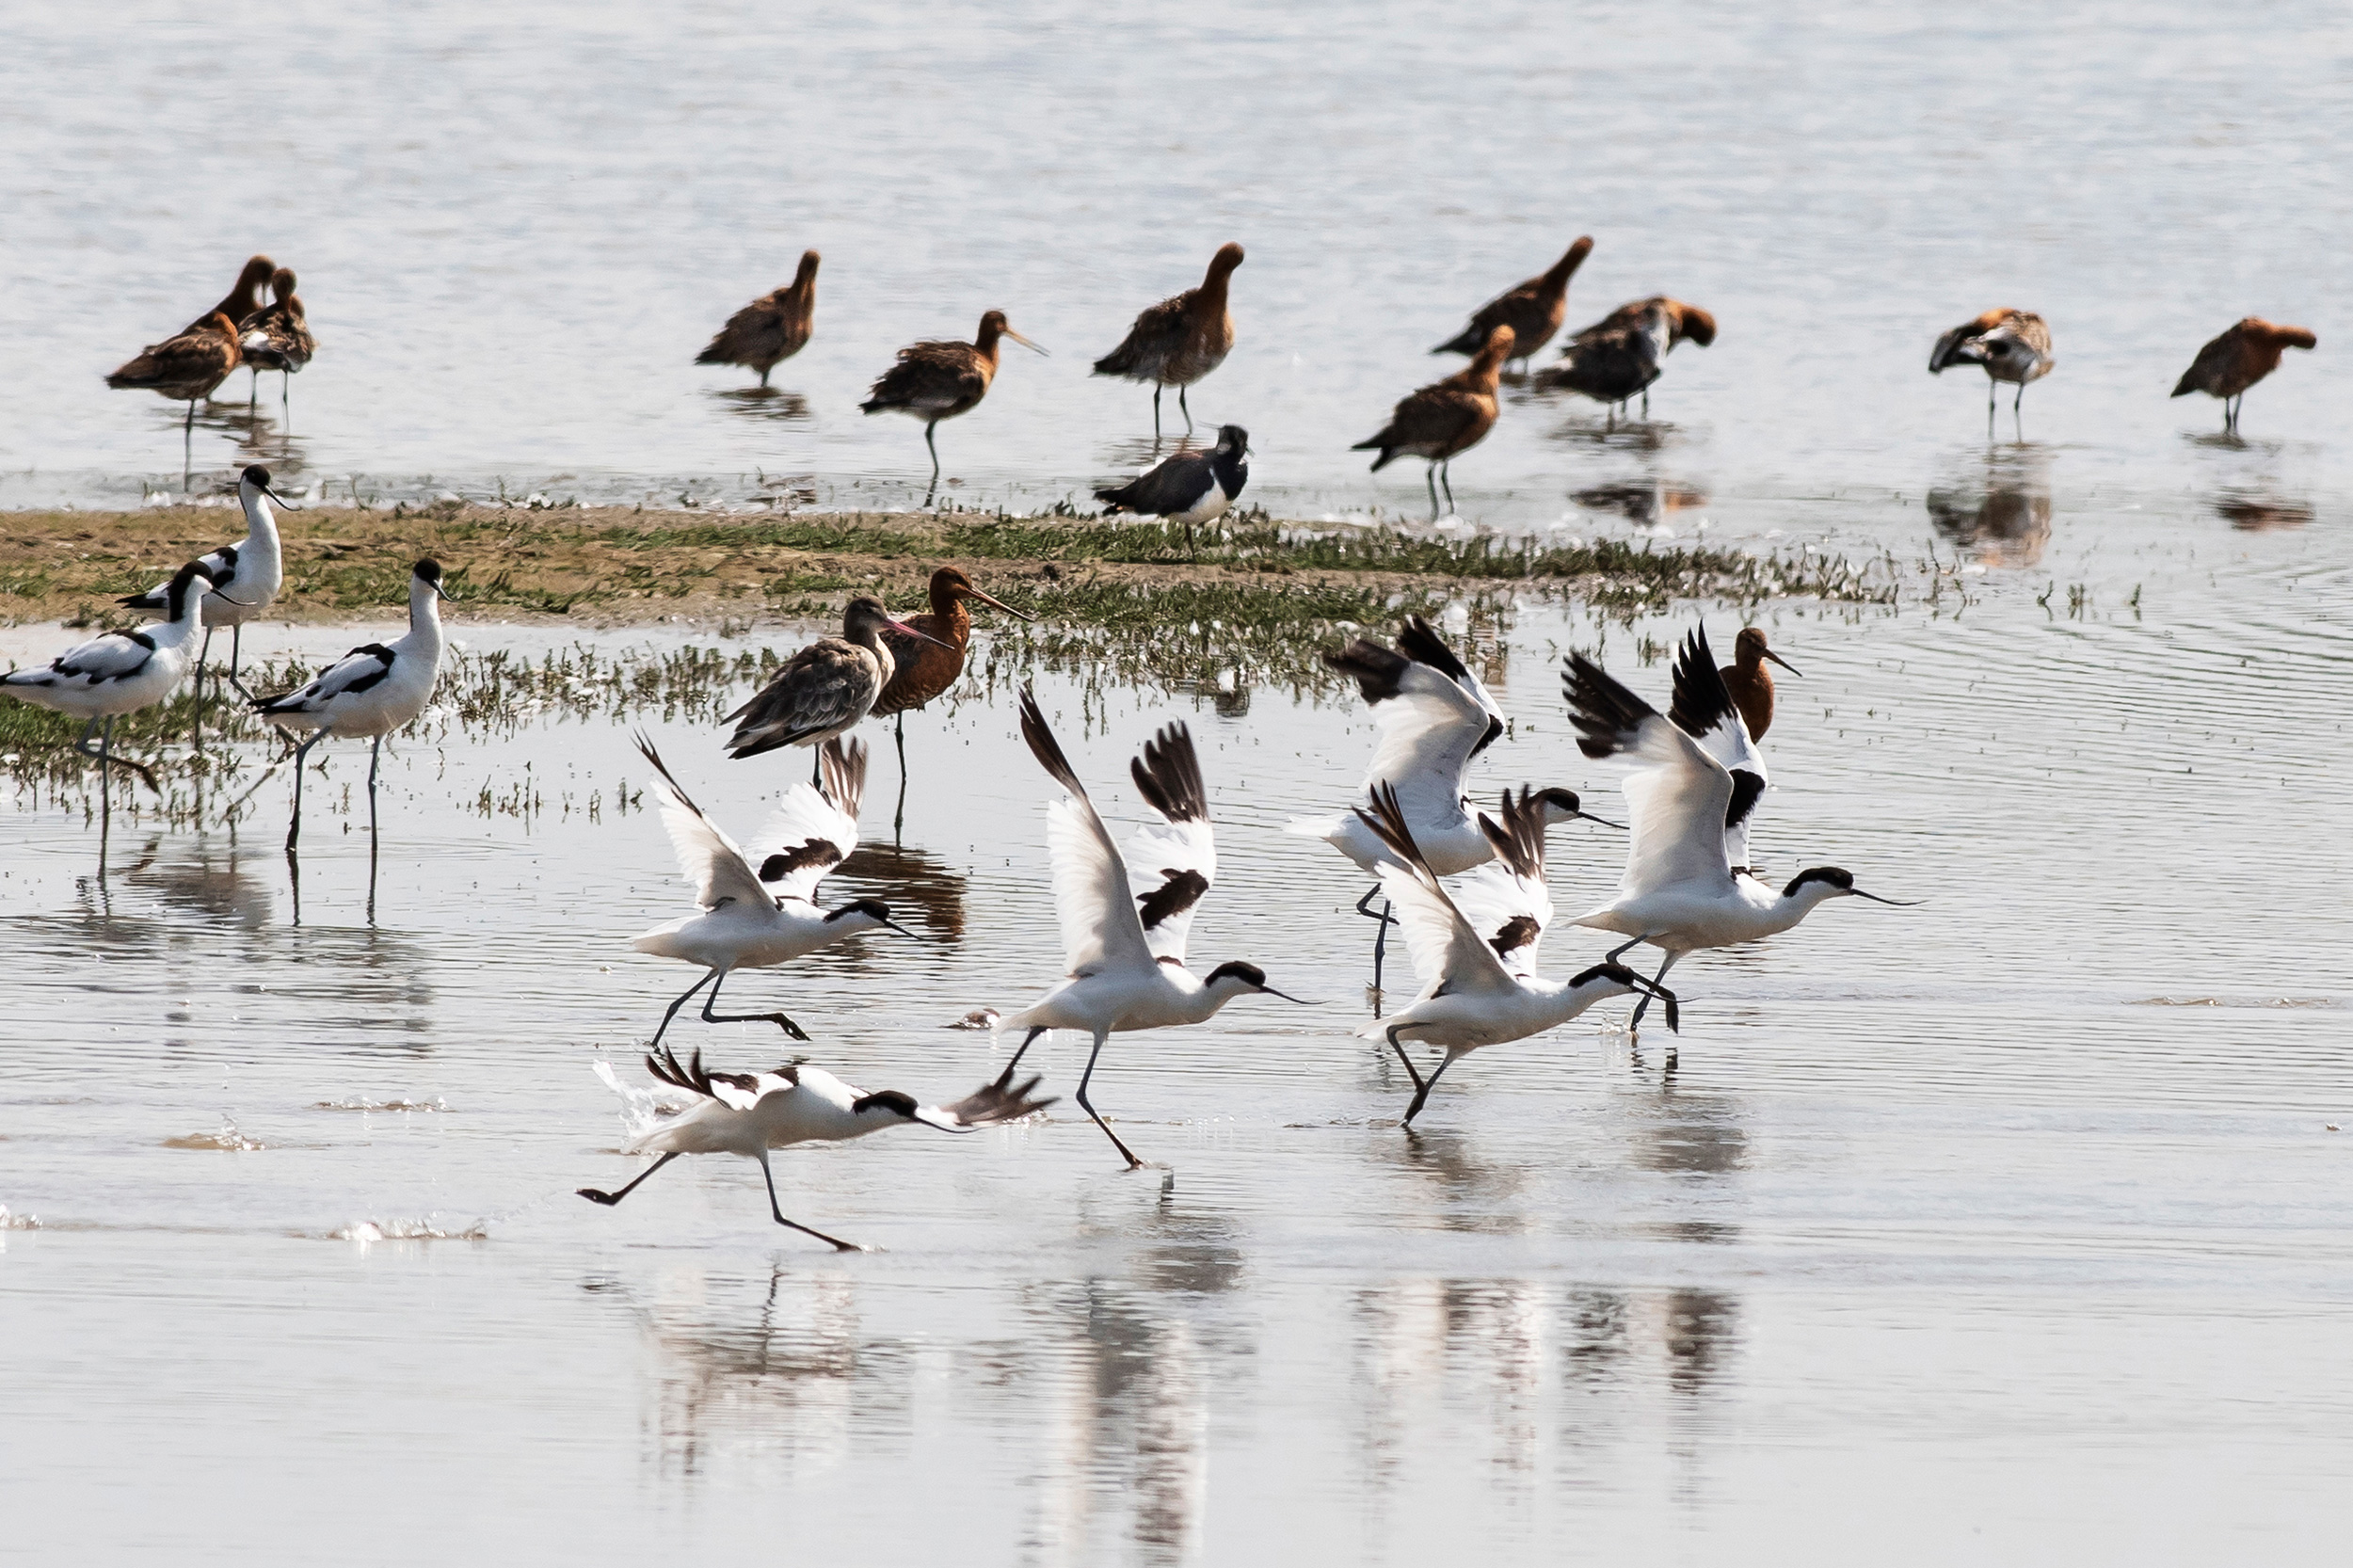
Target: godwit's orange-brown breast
[(924, 670), (1446, 417), (2242, 355), (1533, 310), (1749, 681)]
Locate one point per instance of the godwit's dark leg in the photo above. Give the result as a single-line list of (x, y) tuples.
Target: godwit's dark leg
[(899, 733), (285, 398), (1187, 408), (1126, 1152), (933, 447), (763, 377), (683, 998), (609, 1199), (776, 1019), (1157, 389), (301, 755), (1642, 1006), (1988, 408), (1431, 479), (1446, 477), (1027, 1041), (1645, 415), (817, 766), (833, 1242)]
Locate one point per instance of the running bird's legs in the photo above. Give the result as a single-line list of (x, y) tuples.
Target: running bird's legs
[(833, 1241), (609, 1199), (1421, 1090), (1643, 1006), (1027, 1041), (681, 1001), (1623, 949), (1423, 1093), (1380, 942), (776, 1019), (1126, 1152)]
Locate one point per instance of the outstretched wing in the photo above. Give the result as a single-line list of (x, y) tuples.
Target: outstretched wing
[(1678, 794), (987, 1106), (1432, 714), (707, 856), (1507, 902), (1705, 710), (814, 830), (736, 1090), (1171, 863), (1447, 952), (1101, 925)]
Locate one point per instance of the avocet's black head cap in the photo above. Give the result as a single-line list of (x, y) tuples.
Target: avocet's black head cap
[(897, 1101), (1837, 876), (1617, 973), (430, 572), (1565, 799), (256, 474), (1249, 974), (873, 908)]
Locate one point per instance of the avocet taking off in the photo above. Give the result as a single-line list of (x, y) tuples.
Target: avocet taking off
[(751, 919), (370, 692), (1124, 949), (1476, 950), (1680, 892), (750, 1113)]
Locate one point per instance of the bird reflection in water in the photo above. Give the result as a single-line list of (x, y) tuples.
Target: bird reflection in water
[(206, 878), (1476, 1196), (762, 403), (1617, 435), (1648, 501), (1997, 504), (2254, 512), (911, 879)]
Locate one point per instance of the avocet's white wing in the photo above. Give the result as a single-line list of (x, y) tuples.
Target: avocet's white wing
[(1171, 863), (1447, 952), (814, 830), (1703, 710), (1676, 793), (1434, 716), (708, 857), (1507, 902), (1100, 926)]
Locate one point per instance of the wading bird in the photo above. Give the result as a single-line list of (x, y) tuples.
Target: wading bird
[(368, 693), (930, 659), (941, 378), (1189, 486), (1476, 949), (1680, 892), (1617, 357), (828, 687), (185, 368), (246, 579), (1434, 716), (2234, 361), (278, 337), (2013, 346), (750, 1113), (1124, 950), (119, 672), (244, 298), (1445, 418), (1180, 339), (1532, 310), (772, 329), (755, 919), (1749, 682)]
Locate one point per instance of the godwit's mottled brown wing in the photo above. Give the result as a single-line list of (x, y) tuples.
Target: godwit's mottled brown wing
[(828, 687), (185, 366), (1532, 318), (1607, 364), (934, 379), (278, 337), (1437, 422), (1156, 341), (764, 333)]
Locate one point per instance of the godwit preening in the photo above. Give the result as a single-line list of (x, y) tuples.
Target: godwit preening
[(750, 1113), (1434, 716), (1180, 339), (828, 687), (1189, 488), (1617, 357), (1476, 949), (1445, 418), (772, 329), (1124, 950), (2013, 345), (926, 663), (369, 691), (278, 336), (1532, 310), (244, 298), (1680, 892), (1749, 682), (750, 919), (2234, 361), (119, 672), (941, 378), (246, 579)]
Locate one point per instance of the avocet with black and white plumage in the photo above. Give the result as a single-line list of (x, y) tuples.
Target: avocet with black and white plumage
[(1476, 949), (369, 693), (1125, 950), (754, 919), (1680, 892), (246, 577), (118, 672), (1190, 487), (750, 1113)]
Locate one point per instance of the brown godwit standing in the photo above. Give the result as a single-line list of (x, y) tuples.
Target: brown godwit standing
[(184, 367), (1617, 357), (1180, 339), (941, 378), (1532, 310), (1445, 418), (772, 329), (2234, 361), (931, 661), (278, 336), (826, 688), (1749, 681), (2013, 345), (244, 299)]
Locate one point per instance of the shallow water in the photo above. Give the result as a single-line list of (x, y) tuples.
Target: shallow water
[(512, 248), (2009, 1224)]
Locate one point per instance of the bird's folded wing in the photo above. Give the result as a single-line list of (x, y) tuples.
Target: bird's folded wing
[(353, 673), (108, 657)]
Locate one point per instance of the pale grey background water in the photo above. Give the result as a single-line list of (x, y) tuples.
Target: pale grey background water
[(2005, 1227)]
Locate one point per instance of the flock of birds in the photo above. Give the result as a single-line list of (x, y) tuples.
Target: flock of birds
[(1179, 341)]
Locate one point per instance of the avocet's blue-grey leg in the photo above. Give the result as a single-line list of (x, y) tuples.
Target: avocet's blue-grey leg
[(776, 1019), (609, 1199), (774, 1207), (301, 755), (1126, 1152), (684, 997)]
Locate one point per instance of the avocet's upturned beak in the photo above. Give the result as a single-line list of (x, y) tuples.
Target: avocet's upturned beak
[(279, 498), (1604, 820), (903, 627), (1286, 996), (894, 925), (1782, 662), (1898, 903), (1038, 348), (992, 599)]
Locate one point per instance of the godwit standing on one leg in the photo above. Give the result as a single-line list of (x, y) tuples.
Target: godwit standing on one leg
[(1188, 487), (826, 688), (772, 329), (1180, 339), (278, 336), (2013, 346), (246, 579), (2234, 361), (750, 1113), (1749, 681), (1445, 418), (1617, 357), (1532, 310), (941, 378), (929, 661)]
